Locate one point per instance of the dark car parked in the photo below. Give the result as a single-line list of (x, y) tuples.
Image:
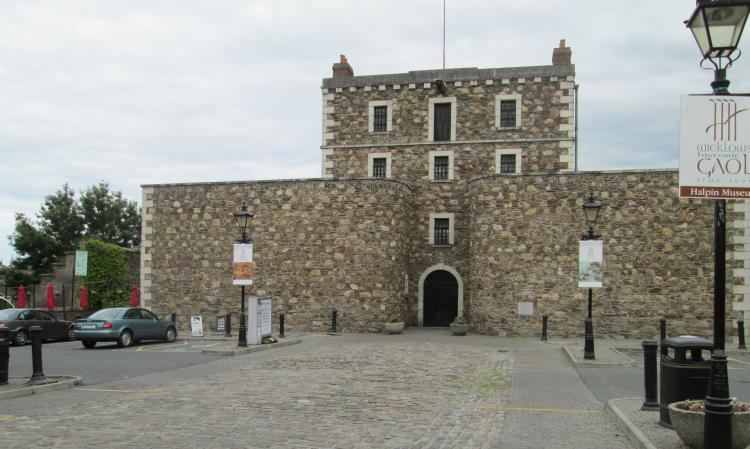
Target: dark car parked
[(18, 321)]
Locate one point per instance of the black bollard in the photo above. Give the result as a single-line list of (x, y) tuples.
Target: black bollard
[(663, 334), (173, 317), (333, 322), (544, 327), (228, 325), (281, 325), (36, 355), (741, 334), (649, 375), (4, 354)]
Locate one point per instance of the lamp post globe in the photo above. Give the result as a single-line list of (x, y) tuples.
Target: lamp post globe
[(242, 218), (717, 26), (591, 210)]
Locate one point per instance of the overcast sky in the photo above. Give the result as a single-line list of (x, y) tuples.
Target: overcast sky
[(139, 92)]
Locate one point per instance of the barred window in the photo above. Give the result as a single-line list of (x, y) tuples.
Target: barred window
[(508, 113), (378, 167), (380, 119), (441, 167), (442, 226), (507, 163)]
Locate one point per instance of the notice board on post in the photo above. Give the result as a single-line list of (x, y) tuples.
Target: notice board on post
[(259, 319)]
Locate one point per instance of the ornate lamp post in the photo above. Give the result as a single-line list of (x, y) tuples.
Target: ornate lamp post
[(591, 209), (243, 219), (717, 27)]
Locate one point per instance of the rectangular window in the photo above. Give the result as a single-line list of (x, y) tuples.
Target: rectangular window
[(442, 229), (507, 113), (507, 163), (441, 167), (378, 167), (380, 124), (442, 128)]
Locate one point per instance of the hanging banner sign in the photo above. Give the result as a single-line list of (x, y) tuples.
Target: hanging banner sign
[(715, 146), (82, 263), (242, 264), (196, 326), (590, 263)]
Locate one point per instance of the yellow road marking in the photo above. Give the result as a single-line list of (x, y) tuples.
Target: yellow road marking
[(113, 390), (553, 410), (6, 417), (140, 348)]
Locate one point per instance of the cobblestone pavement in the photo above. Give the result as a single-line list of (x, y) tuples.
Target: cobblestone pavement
[(383, 393)]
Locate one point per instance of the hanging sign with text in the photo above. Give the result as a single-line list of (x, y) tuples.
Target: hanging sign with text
[(590, 263), (82, 263), (715, 146), (242, 264)]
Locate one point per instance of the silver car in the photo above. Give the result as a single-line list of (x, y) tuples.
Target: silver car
[(124, 325)]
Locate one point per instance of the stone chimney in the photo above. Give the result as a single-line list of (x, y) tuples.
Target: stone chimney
[(560, 56), (342, 69)]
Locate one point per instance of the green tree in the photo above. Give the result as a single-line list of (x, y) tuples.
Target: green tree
[(36, 249), (110, 217), (107, 274), (63, 221)]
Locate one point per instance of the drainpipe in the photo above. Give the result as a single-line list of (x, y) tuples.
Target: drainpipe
[(575, 143)]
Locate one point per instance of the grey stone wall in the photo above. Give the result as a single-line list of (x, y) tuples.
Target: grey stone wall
[(658, 255), (318, 245)]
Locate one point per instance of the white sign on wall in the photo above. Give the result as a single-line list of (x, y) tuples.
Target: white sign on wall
[(714, 146), (525, 308), (590, 263)]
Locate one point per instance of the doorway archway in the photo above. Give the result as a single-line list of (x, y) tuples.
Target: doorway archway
[(441, 296)]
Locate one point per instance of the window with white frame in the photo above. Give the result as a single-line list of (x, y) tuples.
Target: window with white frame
[(508, 161), (379, 165), (441, 229), (508, 111), (441, 165), (442, 119), (380, 115)]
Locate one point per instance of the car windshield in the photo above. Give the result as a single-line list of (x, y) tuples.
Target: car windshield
[(105, 314), (8, 314)]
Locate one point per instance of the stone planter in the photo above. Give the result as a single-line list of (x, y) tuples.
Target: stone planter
[(459, 329), (394, 328), (689, 427)]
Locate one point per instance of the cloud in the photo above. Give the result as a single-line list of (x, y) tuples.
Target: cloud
[(142, 92)]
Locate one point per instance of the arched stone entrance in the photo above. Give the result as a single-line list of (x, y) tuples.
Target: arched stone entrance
[(441, 296)]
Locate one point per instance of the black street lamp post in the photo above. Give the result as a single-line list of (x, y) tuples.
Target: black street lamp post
[(243, 219), (591, 209), (717, 27)]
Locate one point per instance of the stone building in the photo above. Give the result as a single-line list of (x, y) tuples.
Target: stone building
[(443, 193)]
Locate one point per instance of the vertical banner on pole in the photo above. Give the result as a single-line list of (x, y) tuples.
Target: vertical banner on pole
[(82, 261), (242, 264), (590, 263)]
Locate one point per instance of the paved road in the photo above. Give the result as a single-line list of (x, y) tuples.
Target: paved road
[(424, 389), (621, 382), (107, 362)]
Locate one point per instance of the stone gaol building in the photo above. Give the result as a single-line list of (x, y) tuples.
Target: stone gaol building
[(443, 193)]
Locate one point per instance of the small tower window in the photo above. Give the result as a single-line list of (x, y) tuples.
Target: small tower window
[(508, 113), (442, 231), (442, 164), (507, 163), (380, 124), (379, 167)]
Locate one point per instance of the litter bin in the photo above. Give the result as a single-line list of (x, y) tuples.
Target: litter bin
[(682, 377)]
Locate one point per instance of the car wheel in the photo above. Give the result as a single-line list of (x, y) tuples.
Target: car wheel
[(88, 344), (71, 334), (125, 339), (171, 335), (21, 338)]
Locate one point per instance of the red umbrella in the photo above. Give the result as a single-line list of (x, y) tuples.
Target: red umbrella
[(50, 297), (84, 297), (21, 297), (134, 296)]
